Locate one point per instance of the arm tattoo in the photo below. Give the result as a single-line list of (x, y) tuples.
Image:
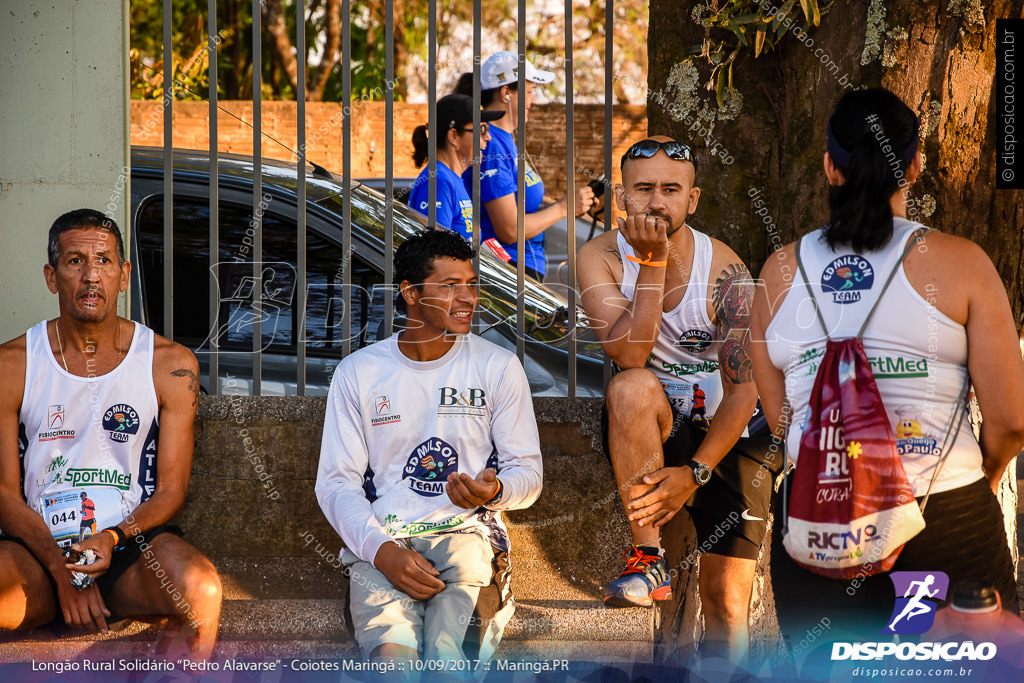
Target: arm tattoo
[(614, 252), (193, 383), (732, 298)]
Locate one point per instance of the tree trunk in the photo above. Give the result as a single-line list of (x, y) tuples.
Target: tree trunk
[(273, 19), (316, 88), (941, 63), (937, 55)]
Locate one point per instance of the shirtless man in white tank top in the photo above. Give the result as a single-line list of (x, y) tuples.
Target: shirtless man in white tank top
[(84, 395)]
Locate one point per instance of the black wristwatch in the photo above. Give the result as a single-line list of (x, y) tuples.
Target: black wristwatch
[(701, 472)]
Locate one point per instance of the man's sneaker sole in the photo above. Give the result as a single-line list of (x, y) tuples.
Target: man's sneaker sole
[(659, 594)]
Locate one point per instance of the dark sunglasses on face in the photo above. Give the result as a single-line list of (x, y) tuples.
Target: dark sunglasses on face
[(645, 149), (484, 127)]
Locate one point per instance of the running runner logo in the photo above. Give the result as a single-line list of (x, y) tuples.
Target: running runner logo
[(428, 467), (694, 341), (917, 598), (55, 416), (847, 277), (382, 408), (121, 421), (54, 424)]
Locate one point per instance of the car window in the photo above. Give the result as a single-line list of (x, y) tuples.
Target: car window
[(280, 320)]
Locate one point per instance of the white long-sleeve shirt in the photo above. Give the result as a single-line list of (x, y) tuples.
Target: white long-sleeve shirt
[(395, 429)]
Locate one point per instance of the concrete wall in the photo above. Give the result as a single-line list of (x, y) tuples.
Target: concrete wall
[(63, 132)]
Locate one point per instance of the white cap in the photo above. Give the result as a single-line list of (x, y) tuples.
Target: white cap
[(501, 68)]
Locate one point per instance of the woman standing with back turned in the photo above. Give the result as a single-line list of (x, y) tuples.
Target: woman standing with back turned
[(944, 317)]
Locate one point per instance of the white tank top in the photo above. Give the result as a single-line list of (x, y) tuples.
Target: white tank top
[(918, 354), (685, 355), (91, 435)]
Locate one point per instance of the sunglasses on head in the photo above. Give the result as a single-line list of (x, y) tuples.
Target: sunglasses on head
[(645, 149)]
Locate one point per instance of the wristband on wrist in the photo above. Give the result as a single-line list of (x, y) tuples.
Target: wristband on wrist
[(496, 498), (113, 532), (647, 261), (119, 537)]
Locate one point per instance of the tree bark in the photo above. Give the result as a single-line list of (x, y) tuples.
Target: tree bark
[(941, 63), (273, 19), (316, 88), (937, 55)]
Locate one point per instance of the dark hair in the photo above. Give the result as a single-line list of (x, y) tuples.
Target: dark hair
[(420, 144), (880, 134), (414, 258), (464, 86), (77, 220)]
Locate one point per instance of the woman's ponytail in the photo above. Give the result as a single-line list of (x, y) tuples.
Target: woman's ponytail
[(873, 138)]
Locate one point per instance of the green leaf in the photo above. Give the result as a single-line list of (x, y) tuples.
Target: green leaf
[(745, 19), (806, 7), (759, 40), (743, 39), (814, 9), (730, 75), (780, 27), (720, 89)]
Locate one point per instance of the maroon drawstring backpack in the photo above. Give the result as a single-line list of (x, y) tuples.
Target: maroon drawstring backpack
[(851, 507)]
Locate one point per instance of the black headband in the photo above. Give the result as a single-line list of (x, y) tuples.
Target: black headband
[(842, 157)]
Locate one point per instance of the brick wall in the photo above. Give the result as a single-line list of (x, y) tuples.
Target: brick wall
[(325, 145)]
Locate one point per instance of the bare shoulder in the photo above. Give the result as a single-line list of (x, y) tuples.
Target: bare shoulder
[(600, 247), (727, 269), (12, 369), (722, 256), (175, 368), (600, 260), (778, 269)]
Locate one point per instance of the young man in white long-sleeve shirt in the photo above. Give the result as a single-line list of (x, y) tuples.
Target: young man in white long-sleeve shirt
[(428, 435)]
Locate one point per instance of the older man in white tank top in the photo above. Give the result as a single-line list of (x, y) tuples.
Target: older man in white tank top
[(88, 393)]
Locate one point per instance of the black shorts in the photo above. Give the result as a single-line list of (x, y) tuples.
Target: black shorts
[(730, 512), (964, 537), (121, 560)]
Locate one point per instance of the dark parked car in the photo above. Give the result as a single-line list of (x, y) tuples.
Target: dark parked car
[(547, 319)]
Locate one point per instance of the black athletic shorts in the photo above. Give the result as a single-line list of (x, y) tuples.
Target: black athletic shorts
[(730, 512), (965, 537), (122, 559)]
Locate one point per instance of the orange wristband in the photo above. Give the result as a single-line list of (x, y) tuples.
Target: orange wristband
[(647, 261), (117, 539)]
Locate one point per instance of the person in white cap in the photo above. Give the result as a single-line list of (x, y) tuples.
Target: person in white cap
[(499, 81)]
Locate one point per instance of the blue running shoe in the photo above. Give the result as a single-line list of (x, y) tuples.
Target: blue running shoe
[(643, 580)]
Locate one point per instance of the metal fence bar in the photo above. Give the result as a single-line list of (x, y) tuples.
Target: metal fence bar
[(257, 198), (476, 135), (346, 172), (300, 172), (609, 67), (521, 187), (389, 171), (211, 30), (476, 145), (432, 126), (570, 195), (168, 174)]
